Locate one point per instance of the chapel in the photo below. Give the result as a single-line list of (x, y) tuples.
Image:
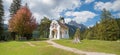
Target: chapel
[(58, 29)]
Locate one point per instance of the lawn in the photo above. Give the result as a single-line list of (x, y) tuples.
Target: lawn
[(22, 48), (93, 45)]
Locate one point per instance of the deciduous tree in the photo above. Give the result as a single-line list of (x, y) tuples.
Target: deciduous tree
[(22, 22)]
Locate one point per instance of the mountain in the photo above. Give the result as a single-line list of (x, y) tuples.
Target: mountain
[(5, 26), (73, 26), (81, 26)]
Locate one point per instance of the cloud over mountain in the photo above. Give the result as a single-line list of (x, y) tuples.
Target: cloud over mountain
[(80, 17)]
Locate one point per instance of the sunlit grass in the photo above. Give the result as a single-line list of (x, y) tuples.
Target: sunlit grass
[(22, 48), (93, 45)]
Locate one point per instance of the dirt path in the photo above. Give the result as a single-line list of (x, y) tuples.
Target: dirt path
[(75, 50), (30, 44)]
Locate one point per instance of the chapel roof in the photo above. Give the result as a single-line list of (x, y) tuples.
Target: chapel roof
[(62, 25)]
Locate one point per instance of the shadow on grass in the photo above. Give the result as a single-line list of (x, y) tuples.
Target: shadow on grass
[(40, 39)]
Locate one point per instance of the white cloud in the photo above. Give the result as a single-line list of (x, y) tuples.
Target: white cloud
[(6, 17), (52, 8), (88, 1), (67, 20), (114, 6), (5, 22), (37, 16), (69, 13), (98, 22), (81, 17), (48, 2), (8, 1), (6, 4), (117, 15), (90, 26), (49, 8)]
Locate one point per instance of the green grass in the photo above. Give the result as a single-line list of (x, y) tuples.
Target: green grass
[(22, 48), (93, 45)]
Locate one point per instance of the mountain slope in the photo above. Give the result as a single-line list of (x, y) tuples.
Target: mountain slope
[(73, 26)]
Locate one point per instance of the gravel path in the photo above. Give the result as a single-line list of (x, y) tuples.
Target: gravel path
[(30, 44), (75, 50)]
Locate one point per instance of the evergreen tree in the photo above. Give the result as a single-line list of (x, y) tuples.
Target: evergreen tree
[(1, 17), (90, 33), (95, 31), (14, 7), (105, 15), (44, 27), (108, 28), (118, 22)]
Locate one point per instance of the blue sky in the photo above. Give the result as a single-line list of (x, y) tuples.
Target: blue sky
[(91, 7), (86, 12)]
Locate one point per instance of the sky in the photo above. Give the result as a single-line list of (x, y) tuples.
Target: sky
[(85, 12)]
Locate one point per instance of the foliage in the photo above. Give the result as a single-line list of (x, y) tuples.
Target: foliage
[(22, 22), (5, 36), (14, 7), (118, 22), (44, 27), (1, 18), (107, 29)]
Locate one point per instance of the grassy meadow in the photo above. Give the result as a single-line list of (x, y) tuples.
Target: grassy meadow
[(93, 45), (22, 48)]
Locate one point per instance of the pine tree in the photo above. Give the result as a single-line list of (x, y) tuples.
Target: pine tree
[(1, 17), (44, 27), (118, 22), (105, 15), (108, 28), (112, 30), (96, 29), (14, 7), (77, 36), (91, 34)]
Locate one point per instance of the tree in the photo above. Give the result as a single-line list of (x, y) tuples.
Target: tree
[(108, 28), (118, 22), (22, 22), (77, 36), (14, 7), (90, 33), (1, 18), (105, 15), (44, 27)]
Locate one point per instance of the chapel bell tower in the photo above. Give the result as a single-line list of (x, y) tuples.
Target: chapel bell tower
[(62, 20)]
